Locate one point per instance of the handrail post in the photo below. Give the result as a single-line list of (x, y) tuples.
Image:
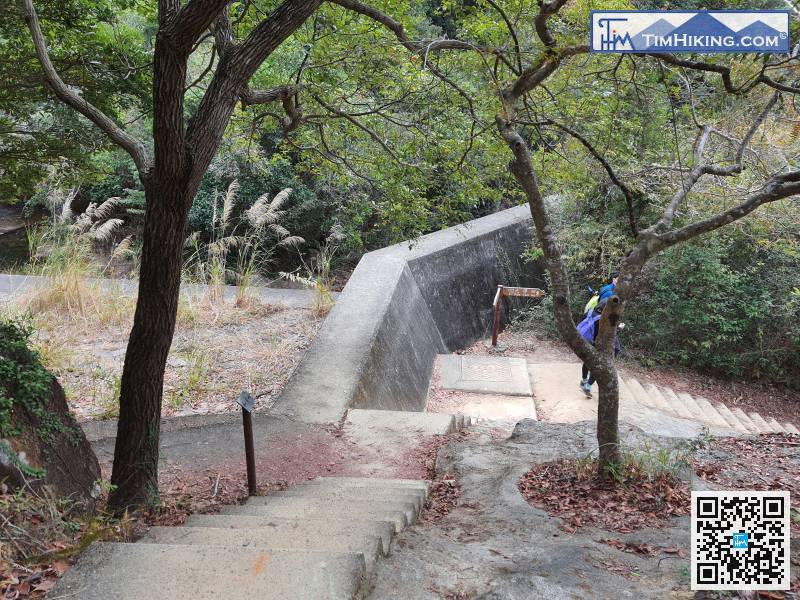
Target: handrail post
[(496, 304)]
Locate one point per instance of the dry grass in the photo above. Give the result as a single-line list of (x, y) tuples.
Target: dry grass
[(219, 349)]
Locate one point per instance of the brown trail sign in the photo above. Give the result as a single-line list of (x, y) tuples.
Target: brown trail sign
[(518, 292)]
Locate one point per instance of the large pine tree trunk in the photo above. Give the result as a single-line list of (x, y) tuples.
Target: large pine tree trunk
[(135, 472)]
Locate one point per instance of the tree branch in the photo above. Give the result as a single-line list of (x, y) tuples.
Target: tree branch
[(188, 24), (725, 74), (778, 188), (626, 191), (68, 96)]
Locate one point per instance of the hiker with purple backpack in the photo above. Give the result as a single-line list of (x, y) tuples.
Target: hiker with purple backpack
[(589, 326)]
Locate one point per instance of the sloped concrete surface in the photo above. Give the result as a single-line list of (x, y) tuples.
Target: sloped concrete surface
[(493, 545)]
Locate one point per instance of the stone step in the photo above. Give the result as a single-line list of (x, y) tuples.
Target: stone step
[(307, 527), (745, 420), (370, 481), (369, 494), (114, 571), (639, 393), (399, 420), (626, 394), (658, 399), (263, 538), (773, 423), (695, 409), (294, 510), (316, 503), (713, 416), (789, 428), (756, 418), (677, 405), (731, 419)]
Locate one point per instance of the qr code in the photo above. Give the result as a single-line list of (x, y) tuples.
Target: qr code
[(740, 540)]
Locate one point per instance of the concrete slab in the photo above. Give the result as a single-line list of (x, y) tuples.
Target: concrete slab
[(368, 513), (409, 422), (111, 571), (493, 406), (305, 527), (265, 538), (370, 481), (378, 494), (341, 505), (491, 374)]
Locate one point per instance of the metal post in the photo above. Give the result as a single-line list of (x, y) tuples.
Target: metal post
[(496, 326), (247, 402), (249, 452)]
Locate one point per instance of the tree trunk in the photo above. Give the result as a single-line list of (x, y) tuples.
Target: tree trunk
[(135, 472)]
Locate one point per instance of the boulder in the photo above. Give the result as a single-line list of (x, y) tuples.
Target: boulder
[(41, 444)]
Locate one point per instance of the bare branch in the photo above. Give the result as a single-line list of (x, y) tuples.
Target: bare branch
[(68, 96), (362, 127), (725, 74), (626, 191), (776, 189)]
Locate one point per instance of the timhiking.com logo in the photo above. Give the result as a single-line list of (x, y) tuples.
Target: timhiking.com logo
[(699, 31)]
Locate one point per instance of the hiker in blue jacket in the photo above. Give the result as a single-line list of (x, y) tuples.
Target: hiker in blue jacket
[(588, 329)]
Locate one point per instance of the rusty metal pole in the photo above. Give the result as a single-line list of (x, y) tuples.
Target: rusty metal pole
[(247, 402), (496, 326)]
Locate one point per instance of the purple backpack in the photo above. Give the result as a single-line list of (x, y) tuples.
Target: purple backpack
[(586, 327)]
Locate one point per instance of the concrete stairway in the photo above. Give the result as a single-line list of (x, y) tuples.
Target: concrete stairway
[(318, 540), (698, 409)]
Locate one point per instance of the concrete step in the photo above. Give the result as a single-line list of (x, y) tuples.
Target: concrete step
[(420, 484), (712, 414), (677, 405), (756, 418), (352, 506), (728, 415), (294, 510), (424, 423), (773, 423), (112, 571), (658, 399), (305, 528), (639, 393), (369, 494), (369, 547), (789, 428), (695, 409), (745, 420), (626, 395)]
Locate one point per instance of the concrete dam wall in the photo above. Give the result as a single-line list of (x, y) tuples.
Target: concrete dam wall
[(403, 305)]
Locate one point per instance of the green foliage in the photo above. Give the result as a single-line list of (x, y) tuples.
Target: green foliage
[(723, 306), (24, 382)]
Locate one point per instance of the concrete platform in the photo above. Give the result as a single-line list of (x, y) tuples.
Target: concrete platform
[(111, 571), (487, 374)]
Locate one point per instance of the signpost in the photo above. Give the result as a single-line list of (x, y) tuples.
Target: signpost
[(247, 402), (517, 292)]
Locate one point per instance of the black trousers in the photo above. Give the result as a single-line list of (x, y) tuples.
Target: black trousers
[(585, 373)]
